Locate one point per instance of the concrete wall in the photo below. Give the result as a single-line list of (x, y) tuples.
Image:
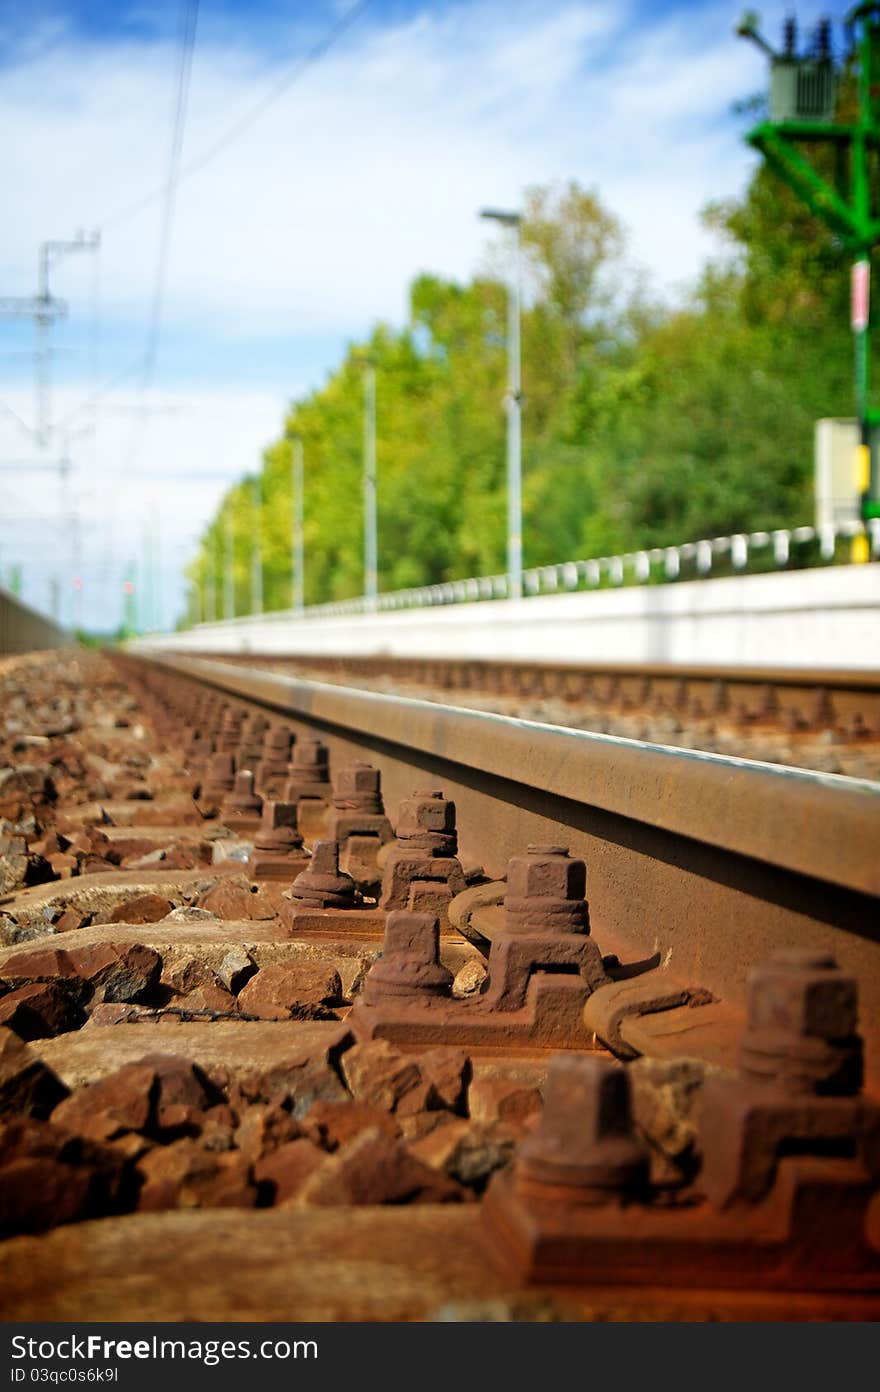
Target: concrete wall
[(826, 618)]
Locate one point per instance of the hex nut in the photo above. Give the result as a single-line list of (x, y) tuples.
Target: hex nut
[(802, 994), (546, 872), (357, 779)]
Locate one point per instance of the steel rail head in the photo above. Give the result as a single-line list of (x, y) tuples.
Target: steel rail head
[(822, 825)]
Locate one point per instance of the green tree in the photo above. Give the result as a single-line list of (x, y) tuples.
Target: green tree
[(644, 424)]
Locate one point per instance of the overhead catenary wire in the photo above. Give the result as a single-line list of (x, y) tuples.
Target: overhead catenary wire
[(145, 363), (189, 10), (187, 23), (247, 119), (144, 368), (105, 389), (299, 68), (16, 417)]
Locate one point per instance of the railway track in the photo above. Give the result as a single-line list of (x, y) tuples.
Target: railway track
[(476, 1013), (827, 720)]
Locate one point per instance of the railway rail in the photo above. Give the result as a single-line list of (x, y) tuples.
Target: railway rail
[(622, 997), (23, 629), (828, 720), (792, 699)]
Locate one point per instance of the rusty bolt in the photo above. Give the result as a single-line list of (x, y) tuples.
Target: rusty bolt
[(546, 872), (310, 754), (358, 778), (277, 741), (322, 885), (802, 992), (426, 811), (230, 731), (242, 798), (546, 892), (584, 1150), (359, 786), (801, 1024), (410, 964), (221, 772), (278, 828), (199, 748)]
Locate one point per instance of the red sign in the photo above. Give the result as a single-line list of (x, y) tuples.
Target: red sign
[(861, 294)]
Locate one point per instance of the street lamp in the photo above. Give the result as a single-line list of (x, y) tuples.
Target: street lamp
[(229, 565), (371, 543), (257, 551), (297, 544), (513, 404)]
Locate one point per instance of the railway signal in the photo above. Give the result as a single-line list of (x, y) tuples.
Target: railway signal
[(803, 117)]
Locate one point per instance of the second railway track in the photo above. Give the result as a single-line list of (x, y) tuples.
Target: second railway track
[(828, 720)]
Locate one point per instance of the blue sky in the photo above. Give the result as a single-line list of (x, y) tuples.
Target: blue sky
[(307, 227)]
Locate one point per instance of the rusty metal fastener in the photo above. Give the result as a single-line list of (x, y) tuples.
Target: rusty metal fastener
[(220, 776), (357, 787), (255, 725), (358, 823), (798, 1090), (242, 799), (585, 1150), (547, 927), (801, 1025), (253, 734), (310, 761), (422, 872), (322, 885), (426, 821), (277, 741), (409, 968), (278, 828), (198, 751), (230, 732), (546, 892), (275, 758)]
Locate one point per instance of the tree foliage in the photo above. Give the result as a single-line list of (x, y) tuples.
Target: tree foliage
[(644, 424)]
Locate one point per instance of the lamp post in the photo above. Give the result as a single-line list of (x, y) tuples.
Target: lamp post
[(210, 586), (229, 566), (513, 405), (370, 523), (257, 548), (297, 546)]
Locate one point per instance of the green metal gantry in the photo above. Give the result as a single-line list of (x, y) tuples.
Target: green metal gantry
[(801, 116)]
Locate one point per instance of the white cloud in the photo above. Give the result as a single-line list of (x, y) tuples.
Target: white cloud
[(375, 163), (133, 483), (311, 225)]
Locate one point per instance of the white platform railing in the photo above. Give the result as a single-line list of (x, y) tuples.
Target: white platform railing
[(657, 563)]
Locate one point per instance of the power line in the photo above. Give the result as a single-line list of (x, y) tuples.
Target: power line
[(104, 390), (187, 20), (308, 60), (301, 66), (16, 417), (189, 10)]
